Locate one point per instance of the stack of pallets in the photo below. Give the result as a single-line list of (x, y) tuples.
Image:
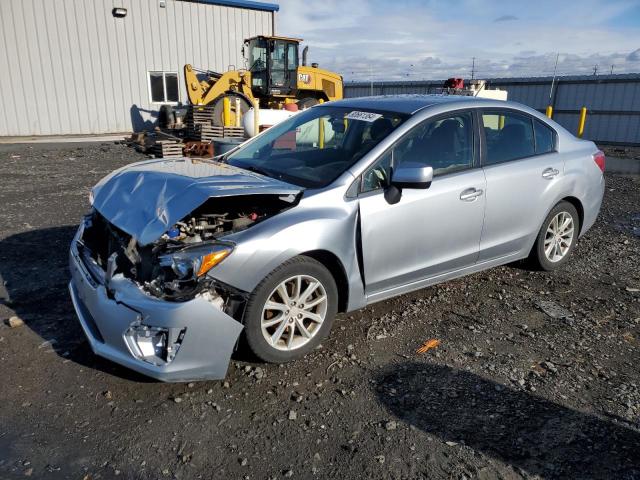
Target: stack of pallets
[(167, 149), (233, 132), (205, 132), (200, 127), (196, 118)]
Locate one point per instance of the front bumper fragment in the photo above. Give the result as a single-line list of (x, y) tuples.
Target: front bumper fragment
[(210, 334)]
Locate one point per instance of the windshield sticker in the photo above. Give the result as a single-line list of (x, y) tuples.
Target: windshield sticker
[(364, 116)]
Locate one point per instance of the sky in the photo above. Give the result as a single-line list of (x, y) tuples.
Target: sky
[(431, 39)]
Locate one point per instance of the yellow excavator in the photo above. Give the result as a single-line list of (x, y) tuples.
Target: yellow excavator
[(275, 76)]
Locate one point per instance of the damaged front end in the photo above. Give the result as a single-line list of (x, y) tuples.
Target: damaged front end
[(153, 305), (175, 266)]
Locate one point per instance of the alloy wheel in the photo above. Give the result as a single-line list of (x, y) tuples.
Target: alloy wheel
[(294, 312), (559, 237)]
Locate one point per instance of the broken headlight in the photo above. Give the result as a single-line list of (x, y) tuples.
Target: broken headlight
[(194, 262), (155, 345)]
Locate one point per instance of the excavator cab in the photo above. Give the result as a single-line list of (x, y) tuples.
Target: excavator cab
[(273, 63)]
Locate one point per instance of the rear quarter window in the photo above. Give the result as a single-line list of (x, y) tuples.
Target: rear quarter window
[(545, 137)]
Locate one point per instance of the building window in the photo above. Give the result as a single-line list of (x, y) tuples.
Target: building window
[(163, 87)]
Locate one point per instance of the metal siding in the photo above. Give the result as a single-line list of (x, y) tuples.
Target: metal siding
[(604, 96), (75, 69)]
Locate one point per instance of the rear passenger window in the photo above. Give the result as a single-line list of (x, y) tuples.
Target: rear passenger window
[(509, 136), (545, 137)]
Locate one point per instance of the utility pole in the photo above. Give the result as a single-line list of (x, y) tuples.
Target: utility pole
[(611, 69), (371, 77), (595, 70), (473, 68)]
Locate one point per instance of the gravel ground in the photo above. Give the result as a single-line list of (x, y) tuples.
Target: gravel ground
[(621, 151), (536, 374)]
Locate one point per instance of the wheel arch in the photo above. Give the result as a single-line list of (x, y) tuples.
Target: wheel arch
[(579, 208), (338, 272)]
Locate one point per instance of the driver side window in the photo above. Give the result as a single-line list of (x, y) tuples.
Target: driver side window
[(445, 143)]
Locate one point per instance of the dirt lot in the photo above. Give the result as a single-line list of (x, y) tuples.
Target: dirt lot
[(536, 375)]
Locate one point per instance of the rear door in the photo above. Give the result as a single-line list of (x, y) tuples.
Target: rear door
[(431, 231), (522, 169)]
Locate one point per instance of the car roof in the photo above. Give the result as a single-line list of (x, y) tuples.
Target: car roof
[(410, 104)]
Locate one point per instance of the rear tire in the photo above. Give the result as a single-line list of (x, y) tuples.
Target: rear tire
[(307, 102), (557, 237), (279, 329)]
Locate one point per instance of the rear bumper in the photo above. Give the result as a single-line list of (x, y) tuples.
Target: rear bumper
[(210, 334)]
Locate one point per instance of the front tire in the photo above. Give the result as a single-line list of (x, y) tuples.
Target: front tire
[(557, 237), (291, 311), (218, 108)]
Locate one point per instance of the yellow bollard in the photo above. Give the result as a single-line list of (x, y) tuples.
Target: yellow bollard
[(238, 112), (549, 111), (321, 100), (321, 133), (256, 115), (581, 121), (226, 112)]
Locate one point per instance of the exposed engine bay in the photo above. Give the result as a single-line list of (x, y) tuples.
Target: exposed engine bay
[(174, 267)]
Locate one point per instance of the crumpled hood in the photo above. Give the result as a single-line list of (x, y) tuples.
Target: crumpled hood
[(145, 199)]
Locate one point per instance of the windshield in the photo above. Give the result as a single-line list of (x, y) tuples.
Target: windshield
[(257, 54), (317, 145)]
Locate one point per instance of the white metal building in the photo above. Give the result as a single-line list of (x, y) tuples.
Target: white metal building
[(106, 66)]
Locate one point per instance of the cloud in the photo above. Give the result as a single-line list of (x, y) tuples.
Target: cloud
[(634, 56), (428, 39), (506, 18)]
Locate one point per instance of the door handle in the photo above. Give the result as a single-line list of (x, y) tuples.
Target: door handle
[(550, 173), (470, 194)]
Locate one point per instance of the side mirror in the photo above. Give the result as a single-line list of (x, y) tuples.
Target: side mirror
[(412, 175), (408, 175)]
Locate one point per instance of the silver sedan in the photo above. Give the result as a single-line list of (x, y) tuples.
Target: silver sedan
[(342, 205)]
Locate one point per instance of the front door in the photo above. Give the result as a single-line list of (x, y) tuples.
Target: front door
[(432, 231)]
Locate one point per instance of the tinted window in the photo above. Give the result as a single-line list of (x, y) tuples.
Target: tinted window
[(171, 83), (446, 144), (545, 137), (157, 86), (163, 87), (509, 136)]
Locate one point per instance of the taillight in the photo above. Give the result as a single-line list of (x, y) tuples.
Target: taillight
[(598, 157)]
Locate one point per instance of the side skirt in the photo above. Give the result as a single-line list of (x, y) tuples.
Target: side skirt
[(427, 282)]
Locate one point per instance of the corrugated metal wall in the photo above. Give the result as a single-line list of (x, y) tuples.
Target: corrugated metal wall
[(70, 67), (613, 101)]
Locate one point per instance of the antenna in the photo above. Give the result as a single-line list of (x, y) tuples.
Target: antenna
[(553, 80), (473, 68)]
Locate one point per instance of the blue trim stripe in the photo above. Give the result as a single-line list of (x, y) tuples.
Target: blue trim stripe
[(268, 7)]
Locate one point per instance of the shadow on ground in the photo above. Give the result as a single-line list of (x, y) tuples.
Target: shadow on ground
[(519, 428), (34, 265)]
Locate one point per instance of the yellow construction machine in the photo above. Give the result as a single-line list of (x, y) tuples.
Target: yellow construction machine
[(274, 76)]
